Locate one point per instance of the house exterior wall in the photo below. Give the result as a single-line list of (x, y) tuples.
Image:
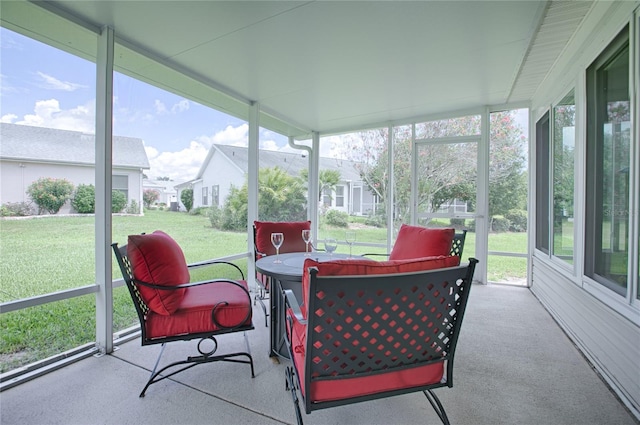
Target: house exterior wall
[(605, 326), (220, 172), (16, 176)]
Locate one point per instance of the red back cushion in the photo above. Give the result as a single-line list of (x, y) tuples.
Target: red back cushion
[(417, 242), (292, 232), (370, 267), (156, 258)]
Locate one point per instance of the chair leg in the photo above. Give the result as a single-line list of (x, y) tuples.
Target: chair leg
[(156, 376), (261, 297), (437, 406), (290, 385)]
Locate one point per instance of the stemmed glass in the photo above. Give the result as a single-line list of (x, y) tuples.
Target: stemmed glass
[(330, 245), (306, 237), (350, 238), (277, 239)]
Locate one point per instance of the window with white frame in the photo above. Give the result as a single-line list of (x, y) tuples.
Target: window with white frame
[(120, 183), (205, 195), (340, 196), (543, 155), (564, 115), (215, 195), (608, 186)]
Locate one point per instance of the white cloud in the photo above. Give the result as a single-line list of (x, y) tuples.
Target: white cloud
[(181, 106), (181, 165), (47, 113), (8, 118), (238, 136), (52, 83), (160, 107)]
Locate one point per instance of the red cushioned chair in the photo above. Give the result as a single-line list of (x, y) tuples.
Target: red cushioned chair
[(170, 308), (293, 242), (369, 330), (417, 241)]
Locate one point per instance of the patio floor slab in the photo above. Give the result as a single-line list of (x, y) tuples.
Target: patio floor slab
[(514, 365)]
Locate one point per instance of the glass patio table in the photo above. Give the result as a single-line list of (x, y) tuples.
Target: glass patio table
[(286, 275)]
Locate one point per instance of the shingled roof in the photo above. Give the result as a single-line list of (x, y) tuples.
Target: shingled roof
[(292, 163), (41, 144)]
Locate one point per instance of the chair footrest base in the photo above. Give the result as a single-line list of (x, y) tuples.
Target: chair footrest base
[(194, 361)]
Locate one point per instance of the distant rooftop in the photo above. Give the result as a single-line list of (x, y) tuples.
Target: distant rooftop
[(41, 144), (292, 163)]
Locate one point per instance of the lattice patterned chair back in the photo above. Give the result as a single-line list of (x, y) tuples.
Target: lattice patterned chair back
[(365, 337), (457, 245)]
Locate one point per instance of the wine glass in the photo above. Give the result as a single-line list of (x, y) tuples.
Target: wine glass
[(350, 237), (306, 237), (277, 239), (330, 245)]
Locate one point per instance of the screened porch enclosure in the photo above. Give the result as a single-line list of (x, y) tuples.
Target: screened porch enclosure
[(490, 117)]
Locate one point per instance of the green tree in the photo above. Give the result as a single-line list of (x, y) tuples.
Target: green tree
[(187, 198), (149, 196), (328, 180), (50, 194), (446, 171), (281, 197)]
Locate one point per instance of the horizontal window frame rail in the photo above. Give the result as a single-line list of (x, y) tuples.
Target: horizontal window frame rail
[(66, 294)]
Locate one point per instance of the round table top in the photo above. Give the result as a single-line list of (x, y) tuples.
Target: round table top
[(290, 266)]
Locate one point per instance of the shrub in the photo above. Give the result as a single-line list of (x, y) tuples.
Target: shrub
[(149, 196), (518, 219), (16, 209), (500, 224), (215, 217), (84, 199), (471, 226), (187, 199), (337, 218), (199, 211), (118, 201), (50, 194), (133, 207), (375, 221), (457, 223)]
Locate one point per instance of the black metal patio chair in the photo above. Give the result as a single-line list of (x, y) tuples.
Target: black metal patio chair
[(171, 308)]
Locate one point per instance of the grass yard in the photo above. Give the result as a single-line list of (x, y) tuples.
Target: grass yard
[(49, 254)]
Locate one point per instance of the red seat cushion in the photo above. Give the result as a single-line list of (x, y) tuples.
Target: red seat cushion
[(156, 258), (193, 314), (292, 232), (416, 242)]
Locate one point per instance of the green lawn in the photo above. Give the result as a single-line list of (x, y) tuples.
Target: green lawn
[(48, 254)]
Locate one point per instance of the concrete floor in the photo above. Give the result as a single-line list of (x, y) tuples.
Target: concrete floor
[(514, 365)]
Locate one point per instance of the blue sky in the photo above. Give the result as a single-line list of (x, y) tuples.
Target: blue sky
[(43, 86)]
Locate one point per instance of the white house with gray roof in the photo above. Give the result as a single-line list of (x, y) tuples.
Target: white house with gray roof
[(28, 153), (226, 166)]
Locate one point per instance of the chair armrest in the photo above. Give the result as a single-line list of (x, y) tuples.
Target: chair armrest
[(292, 312), (291, 302), (190, 284)]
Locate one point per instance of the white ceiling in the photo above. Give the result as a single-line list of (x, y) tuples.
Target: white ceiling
[(330, 66)]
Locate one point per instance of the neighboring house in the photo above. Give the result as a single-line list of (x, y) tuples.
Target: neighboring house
[(226, 166), (167, 190), (29, 153)]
